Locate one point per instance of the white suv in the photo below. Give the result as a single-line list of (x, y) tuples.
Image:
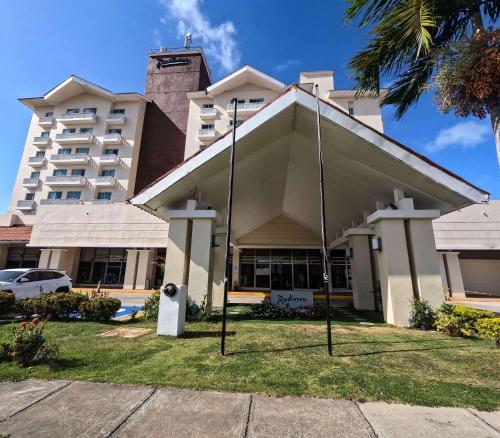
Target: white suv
[(29, 282)]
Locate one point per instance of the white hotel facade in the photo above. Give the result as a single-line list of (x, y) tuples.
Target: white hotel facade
[(90, 197)]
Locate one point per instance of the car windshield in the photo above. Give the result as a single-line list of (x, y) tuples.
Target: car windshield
[(9, 276)]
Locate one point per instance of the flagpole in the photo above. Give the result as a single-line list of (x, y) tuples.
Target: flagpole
[(234, 101), (325, 257)]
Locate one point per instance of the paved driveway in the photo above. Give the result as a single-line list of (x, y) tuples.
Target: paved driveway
[(36, 408)]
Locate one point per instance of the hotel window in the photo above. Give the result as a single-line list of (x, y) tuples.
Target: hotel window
[(208, 105), (73, 195), (104, 265), (238, 122), (49, 114), (104, 196), (82, 150), (257, 100), (340, 269), (86, 130), (241, 101), (59, 172), (108, 172), (40, 154), (350, 107), (68, 130), (54, 195), (35, 175), (118, 111), (207, 126), (64, 151), (72, 111), (110, 152), (114, 131), (89, 110), (29, 196), (44, 134), (78, 172)]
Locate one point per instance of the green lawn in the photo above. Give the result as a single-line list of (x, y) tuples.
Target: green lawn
[(282, 358)]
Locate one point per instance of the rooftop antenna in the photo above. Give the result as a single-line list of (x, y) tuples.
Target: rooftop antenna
[(187, 40)]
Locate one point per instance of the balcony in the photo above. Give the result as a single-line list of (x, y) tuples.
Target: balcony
[(59, 201), (25, 205), (115, 119), (45, 121), (41, 141), (112, 138), (31, 183), (208, 113), (105, 181), (109, 159), (36, 161), (69, 158), (207, 134), (75, 137), (65, 180), (246, 108), (75, 118)]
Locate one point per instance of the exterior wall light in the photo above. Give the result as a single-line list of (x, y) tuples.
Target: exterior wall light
[(376, 243), (349, 253)]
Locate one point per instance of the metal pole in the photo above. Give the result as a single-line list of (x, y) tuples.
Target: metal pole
[(323, 228), (234, 101)]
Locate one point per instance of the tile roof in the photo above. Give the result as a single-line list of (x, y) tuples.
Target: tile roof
[(16, 233)]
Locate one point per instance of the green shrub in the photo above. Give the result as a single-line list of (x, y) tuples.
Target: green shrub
[(99, 309), (422, 316), (7, 301), (460, 320), (448, 324), (151, 306), (489, 328), (58, 305), (268, 310), (28, 346)]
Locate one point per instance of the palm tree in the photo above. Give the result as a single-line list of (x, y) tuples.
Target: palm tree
[(408, 41)]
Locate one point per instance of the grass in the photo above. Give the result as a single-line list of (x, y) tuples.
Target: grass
[(281, 358)]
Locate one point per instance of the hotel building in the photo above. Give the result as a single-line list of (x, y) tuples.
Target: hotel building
[(113, 187)]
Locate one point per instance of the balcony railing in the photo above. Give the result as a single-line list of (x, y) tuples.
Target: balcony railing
[(207, 133), (109, 159), (59, 201), (208, 113), (45, 121), (75, 137), (115, 119), (105, 181), (246, 107), (25, 205), (36, 161), (31, 182), (69, 158), (41, 141), (113, 138), (68, 180), (73, 118)]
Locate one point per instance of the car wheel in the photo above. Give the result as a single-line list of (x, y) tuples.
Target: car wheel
[(62, 289)]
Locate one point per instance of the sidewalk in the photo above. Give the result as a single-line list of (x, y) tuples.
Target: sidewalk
[(83, 409)]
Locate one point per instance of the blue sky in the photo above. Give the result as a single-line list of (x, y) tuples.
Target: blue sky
[(105, 41)]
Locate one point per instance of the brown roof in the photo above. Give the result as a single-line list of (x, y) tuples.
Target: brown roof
[(16, 233)]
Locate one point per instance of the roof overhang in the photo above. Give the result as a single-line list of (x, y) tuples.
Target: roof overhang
[(276, 169)]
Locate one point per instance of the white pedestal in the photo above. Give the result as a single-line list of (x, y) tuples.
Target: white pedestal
[(172, 313)]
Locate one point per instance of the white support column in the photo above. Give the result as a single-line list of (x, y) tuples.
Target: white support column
[(4, 252), (63, 259), (178, 249), (144, 269), (236, 267), (200, 266), (130, 269), (361, 268), (44, 261), (454, 274)]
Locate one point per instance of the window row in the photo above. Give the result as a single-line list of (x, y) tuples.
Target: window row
[(85, 111), (45, 134), (70, 195), (74, 172)]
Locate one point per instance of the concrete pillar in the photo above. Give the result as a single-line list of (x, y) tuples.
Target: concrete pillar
[(454, 274), (424, 260), (218, 261), (442, 271), (64, 259), (178, 249), (361, 269), (394, 271), (200, 266), (4, 252), (45, 255), (131, 269), (144, 269), (236, 268)]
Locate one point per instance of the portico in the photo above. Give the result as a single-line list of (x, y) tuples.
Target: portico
[(375, 190)]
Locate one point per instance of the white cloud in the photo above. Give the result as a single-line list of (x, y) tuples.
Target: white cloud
[(464, 135), (218, 41), (287, 64)]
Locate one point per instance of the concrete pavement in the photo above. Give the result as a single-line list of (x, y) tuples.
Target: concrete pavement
[(84, 409)]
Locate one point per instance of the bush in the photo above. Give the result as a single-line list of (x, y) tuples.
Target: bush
[(151, 306), (28, 346), (422, 316), (268, 310), (58, 305), (99, 309), (448, 324), (460, 320), (7, 301), (489, 328)]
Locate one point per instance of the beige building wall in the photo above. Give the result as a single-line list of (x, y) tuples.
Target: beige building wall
[(481, 276)]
